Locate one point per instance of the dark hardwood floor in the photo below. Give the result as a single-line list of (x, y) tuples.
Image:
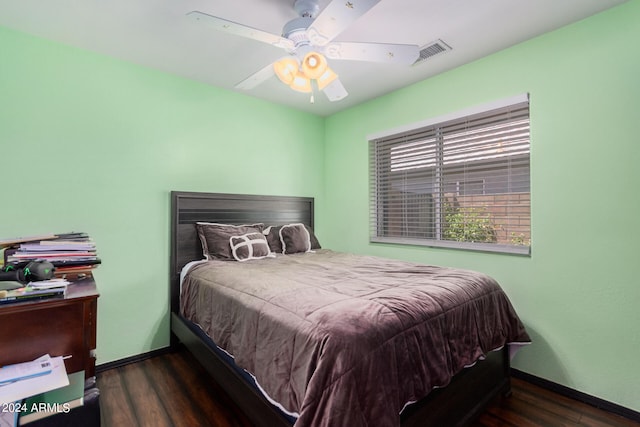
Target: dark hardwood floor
[(174, 390)]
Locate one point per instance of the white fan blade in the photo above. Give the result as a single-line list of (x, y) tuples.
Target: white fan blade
[(256, 78), (335, 18), (242, 30), (335, 91), (373, 52)]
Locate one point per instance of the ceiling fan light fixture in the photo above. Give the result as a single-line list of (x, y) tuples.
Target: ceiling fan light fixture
[(301, 83), (286, 70), (309, 39), (314, 65)]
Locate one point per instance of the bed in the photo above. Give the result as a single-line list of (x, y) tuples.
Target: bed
[(333, 380)]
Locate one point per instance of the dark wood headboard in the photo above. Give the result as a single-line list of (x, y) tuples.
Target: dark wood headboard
[(187, 208)]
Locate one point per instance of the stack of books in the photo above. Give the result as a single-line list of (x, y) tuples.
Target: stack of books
[(72, 254), (12, 292)]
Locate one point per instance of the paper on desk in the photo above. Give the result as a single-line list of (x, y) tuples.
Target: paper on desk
[(49, 284), (24, 388)]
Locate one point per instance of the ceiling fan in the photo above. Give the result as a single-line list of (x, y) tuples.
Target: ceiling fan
[(308, 40)]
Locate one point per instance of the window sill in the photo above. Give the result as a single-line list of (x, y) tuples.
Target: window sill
[(466, 246)]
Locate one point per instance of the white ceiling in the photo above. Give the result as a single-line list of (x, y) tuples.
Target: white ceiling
[(157, 34)]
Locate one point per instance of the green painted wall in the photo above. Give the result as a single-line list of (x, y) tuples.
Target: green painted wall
[(94, 144), (579, 292)]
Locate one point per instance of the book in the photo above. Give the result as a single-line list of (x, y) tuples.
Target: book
[(29, 294), (68, 242), (60, 400), (55, 246), (16, 240), (51, 254)]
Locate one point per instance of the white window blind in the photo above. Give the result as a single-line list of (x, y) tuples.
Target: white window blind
[(463, 182)]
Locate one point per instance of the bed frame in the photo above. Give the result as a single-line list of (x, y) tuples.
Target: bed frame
[(455, 405)]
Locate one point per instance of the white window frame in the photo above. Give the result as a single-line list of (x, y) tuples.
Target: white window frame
[(435, 161)]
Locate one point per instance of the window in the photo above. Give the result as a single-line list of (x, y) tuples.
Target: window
[(460, 181)]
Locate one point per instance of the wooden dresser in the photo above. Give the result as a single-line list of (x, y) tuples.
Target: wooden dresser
[(58, 327)]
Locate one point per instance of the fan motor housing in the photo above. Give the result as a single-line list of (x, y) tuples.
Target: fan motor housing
[(296, 30)]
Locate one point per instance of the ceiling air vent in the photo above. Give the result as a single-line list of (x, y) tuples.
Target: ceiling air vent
[(432, 49)]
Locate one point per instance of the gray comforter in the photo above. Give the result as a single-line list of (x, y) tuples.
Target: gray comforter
[(346, 340)]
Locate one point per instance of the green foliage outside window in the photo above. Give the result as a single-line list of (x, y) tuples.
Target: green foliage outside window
[(468, 224), (520, 239)]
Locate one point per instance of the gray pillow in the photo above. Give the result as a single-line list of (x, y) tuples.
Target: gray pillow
[(295, 238), (214, 238), (272, 234)]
